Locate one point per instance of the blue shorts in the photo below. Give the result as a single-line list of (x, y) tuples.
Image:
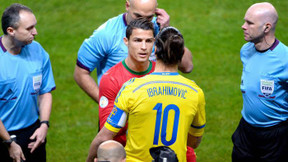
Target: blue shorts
[(260, 144)]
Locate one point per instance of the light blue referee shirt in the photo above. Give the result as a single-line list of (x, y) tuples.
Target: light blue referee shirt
[(23, 78), (106, 47), (264, 84)]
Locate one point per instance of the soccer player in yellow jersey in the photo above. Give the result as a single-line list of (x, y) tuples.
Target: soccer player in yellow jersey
[(162, 109)]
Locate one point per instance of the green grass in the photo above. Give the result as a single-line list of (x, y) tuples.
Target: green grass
[(212, 31)]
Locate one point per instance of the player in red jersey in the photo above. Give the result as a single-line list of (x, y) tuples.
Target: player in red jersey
[(140, 41)]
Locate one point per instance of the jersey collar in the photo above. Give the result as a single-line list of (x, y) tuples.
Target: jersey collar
[(135, 72), (274, 45), (165, 73), (2, 46), (124, 19)]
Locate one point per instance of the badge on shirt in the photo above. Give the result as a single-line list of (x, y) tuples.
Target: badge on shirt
[(37, 81), (103, 102), (267, 87)]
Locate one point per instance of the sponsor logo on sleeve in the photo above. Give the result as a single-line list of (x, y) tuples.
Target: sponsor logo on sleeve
[(103, 102)]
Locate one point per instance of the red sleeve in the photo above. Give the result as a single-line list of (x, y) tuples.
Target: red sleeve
[(108, 91)]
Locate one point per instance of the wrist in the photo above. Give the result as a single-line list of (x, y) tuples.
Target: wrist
[(8, 142), (46, 122)]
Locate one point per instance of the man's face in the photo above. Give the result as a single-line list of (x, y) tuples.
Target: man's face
[(140, 9), (253, 26), (140, 45), (26, 31)]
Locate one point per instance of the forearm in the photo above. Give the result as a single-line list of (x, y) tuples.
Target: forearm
[(45, 106), (86, 83), (193, 141), (4, 135), (186, 64), (14, 149)]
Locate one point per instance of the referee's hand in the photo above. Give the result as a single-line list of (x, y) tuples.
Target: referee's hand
[(38, 137)]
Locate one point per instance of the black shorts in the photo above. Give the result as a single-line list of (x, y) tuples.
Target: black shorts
[(254, 144), (23, 139)]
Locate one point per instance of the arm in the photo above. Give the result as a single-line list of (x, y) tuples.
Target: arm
[(102, 136), (193, 141), (86, 82), (186, 64), (45, 106), (15, 150), (197, 128)]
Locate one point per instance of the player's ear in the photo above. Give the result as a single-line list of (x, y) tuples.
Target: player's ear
[(125, 41), (267, 28)]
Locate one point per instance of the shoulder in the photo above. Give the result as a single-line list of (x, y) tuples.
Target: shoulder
[(191, 83), (282, 52), (247, 50), (112, 74), (247, 46), (282, 49), (36, 50), (114, 70), (111, 25)]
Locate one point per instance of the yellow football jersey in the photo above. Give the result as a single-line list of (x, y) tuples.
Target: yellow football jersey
[(162, 108)]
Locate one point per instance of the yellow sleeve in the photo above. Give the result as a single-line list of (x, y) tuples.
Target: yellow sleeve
[(199, 121)]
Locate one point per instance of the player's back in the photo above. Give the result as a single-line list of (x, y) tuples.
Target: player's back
[(161, 108)]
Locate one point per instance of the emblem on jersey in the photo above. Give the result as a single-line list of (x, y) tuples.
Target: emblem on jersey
[(37, 81), (267, 87), (103, 102)]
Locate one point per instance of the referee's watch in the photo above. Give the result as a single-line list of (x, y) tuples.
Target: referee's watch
[(8, 142), (45, 122)]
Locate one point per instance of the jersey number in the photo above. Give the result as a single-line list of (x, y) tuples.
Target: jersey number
[(158, 108)]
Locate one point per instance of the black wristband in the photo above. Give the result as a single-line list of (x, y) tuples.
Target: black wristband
[(45, 122), (7, 142)]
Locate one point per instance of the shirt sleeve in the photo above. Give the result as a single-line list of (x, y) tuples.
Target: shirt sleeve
[(94, 49), (108, 90), (120, 109), (48, 83), (199, 121)]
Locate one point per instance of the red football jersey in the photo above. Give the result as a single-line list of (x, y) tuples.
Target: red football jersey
[(109, 86)]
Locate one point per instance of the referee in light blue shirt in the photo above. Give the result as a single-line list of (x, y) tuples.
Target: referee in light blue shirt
[(26, 81), (105, 47), (262, 134)]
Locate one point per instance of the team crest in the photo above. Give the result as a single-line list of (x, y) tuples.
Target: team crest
[(267, 87)]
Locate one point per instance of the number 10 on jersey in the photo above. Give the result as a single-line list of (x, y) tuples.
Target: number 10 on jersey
[(164, 121)]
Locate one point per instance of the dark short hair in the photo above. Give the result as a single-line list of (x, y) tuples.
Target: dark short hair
[(10, 16), (170, 46), (139, 24)]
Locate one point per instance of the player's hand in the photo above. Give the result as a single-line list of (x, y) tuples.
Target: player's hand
[(162, 18), (39, 136), (15, 152)]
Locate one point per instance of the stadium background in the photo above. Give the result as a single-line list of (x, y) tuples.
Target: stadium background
[(212, 31)]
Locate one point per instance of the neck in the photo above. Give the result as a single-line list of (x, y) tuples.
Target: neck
[(137, 66), (266, 43), (126, 18), (161, 67), (11, 45)]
